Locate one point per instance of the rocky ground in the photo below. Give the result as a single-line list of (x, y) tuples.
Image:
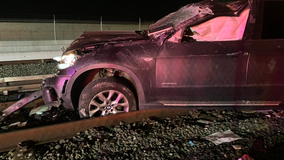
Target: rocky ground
[(180, 137)]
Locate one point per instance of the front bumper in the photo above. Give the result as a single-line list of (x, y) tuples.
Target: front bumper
[(52, 90)]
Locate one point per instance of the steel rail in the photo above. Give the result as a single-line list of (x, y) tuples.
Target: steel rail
[(22, 84), (51, 133), (24, 78), (26, 61)]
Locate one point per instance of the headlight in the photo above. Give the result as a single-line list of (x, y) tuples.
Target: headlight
[(66, 60)]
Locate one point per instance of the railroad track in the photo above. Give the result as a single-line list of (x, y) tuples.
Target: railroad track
[(21, 84), (46, 134), (26, 61), (50, 133)]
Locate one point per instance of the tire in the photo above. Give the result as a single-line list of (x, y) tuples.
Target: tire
[(106, 96)]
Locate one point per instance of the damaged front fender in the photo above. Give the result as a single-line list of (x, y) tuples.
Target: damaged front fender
[(21, 103)]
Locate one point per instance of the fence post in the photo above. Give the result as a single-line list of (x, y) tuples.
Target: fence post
[(139, 24), (54, 29), (101, 23)]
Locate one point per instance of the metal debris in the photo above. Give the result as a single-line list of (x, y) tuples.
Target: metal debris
[(237, 147), (221, 137), (204, 121)]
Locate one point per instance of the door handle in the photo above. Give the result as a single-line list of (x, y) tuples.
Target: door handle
[(238, 54)]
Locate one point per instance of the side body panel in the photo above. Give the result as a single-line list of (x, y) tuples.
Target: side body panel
[(195, 71)]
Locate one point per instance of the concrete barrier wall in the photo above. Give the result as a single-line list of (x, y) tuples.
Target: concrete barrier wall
[(29, 41), (21, 31), (31, 50)]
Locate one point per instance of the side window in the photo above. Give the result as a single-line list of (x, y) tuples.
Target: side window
[(223, 28), (273, 23)]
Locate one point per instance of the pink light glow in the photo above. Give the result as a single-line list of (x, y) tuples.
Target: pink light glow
[(221, 28)]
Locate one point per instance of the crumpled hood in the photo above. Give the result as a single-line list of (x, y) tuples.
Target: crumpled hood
[(88, 39)]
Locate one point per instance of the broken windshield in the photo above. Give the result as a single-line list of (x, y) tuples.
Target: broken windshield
[(196, 11), (182, 15)]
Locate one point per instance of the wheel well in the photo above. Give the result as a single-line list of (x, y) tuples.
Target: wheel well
[(91, 75)]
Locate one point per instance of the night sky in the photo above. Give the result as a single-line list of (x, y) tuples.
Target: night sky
[(82, 9)]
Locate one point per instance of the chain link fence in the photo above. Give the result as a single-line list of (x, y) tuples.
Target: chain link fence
[(63, 28)]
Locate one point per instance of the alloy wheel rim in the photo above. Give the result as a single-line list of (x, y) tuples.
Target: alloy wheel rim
[(108, 102)]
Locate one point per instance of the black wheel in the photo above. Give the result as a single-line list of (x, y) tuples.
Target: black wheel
[(106, 96)]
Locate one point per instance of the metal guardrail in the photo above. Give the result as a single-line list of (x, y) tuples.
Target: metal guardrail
[(21, 84)]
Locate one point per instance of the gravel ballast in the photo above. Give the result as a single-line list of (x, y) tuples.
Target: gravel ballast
[(180, 137), (19, 70)]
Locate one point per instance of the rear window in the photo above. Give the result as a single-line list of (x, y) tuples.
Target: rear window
[(273, 20)]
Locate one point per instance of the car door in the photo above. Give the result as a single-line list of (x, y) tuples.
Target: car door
[(265, 80), (201, 71), (204, 69)]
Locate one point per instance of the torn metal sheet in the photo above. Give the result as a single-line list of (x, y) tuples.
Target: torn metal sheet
[(21, 103), (221, 137)]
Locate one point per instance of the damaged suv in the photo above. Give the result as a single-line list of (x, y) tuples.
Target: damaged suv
[(205, 54)]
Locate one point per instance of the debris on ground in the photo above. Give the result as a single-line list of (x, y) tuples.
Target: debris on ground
[(18, 124), (180, 137), (16, 120), (221, 137), (270, 113), (191, 143), (204, 121), (52, 116), (237, 147), (39, 116), (39, 110), (24, 151)]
